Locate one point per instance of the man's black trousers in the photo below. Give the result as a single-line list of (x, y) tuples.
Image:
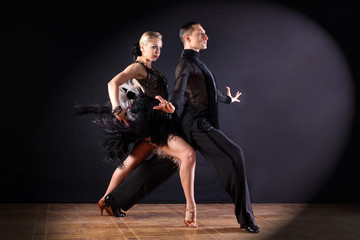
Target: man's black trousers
[(225, 156)]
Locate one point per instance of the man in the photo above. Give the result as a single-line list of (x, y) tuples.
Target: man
[(195, 97), (195, 89)]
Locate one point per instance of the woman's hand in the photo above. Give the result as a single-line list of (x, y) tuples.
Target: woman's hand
[(120, 115), (164, 105), (233, 99)]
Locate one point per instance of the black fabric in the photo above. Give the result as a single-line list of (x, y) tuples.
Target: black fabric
[(196, 85), (227, 159), (143, 180), (117, 138), (154, 84)]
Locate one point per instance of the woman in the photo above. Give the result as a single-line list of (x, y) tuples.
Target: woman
[(144, 124)]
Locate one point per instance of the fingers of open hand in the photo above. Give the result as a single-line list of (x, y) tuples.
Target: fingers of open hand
[(228, 91), (160, 99), (166, 107)]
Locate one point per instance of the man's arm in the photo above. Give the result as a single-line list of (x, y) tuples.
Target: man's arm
[(221, 97), (182, 74)]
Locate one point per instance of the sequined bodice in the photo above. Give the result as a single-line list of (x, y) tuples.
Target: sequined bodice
[(154, 84)]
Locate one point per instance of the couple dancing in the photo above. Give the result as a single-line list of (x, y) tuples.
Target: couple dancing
[(172, 127)]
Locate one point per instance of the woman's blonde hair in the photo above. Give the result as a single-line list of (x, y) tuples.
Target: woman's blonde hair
[(147, 36)]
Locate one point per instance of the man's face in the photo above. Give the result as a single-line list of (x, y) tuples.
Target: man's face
[(197, 39)]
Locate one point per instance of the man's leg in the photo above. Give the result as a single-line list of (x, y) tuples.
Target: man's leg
[(227, 159), (143, 180)]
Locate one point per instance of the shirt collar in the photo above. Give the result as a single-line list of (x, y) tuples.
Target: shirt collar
[(191, 53)]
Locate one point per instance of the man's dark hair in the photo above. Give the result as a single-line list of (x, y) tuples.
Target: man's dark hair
[(186, 28)]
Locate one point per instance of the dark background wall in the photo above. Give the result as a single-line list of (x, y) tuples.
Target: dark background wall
[(294, 61)]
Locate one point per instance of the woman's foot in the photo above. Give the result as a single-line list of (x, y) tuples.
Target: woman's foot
[(190, 218), (102, 206)]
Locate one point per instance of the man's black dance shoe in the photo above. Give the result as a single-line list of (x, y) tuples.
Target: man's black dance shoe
[(251, 227), (110, 201)]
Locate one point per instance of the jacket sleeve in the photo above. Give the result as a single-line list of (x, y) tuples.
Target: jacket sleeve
[(221, 97), (178, 96)]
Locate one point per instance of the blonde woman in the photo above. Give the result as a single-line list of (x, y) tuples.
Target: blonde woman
[(147, 122)]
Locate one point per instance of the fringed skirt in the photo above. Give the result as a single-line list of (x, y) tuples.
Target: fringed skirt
[(145, 122)]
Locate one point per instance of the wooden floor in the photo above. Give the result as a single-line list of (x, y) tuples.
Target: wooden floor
[(165, 221)]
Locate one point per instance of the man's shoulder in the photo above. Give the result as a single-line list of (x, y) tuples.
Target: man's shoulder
[(183, 66), (184, 61)]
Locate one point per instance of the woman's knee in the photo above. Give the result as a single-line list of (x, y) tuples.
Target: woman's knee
[(131, 162), (189, 155)]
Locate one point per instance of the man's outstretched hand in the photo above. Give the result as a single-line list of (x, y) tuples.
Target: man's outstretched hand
[(235, 98)]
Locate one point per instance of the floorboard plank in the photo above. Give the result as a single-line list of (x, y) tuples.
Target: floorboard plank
[(80, 221)]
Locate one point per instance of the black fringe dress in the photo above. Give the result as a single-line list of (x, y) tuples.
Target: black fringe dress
[(144, 121)]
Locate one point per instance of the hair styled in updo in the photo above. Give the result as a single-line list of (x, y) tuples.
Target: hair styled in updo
[(145, 38)]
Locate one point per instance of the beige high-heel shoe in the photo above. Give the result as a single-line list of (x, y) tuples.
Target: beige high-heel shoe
[(102, 206), (190, 223)]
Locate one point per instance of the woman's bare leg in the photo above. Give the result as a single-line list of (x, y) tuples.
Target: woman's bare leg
[(139, 153), (179, 148)]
